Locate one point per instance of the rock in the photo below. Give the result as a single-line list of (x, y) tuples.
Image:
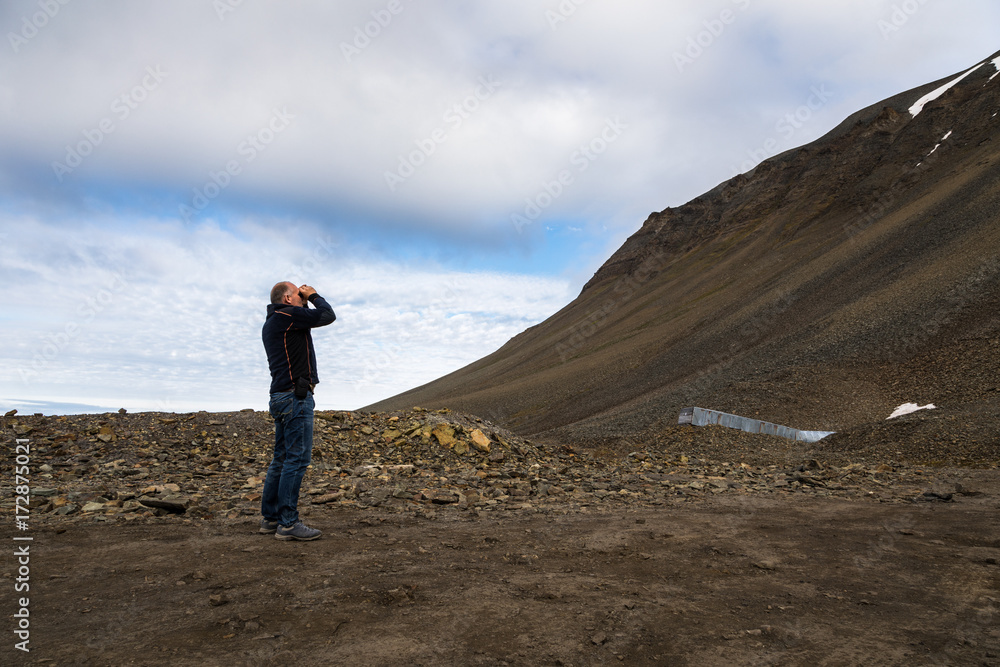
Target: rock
[(328, 498), (217, 600), (934, 496), (470, 497), (93, 507), (106, 434), (442, 496), (174, 504), (132, 506), (461, 447), (444, 434), (598, 639), (480, 441)]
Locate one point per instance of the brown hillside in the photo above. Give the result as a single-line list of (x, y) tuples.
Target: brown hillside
[(821, 290)]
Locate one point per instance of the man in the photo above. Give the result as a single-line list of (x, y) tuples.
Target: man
[(292, 361)]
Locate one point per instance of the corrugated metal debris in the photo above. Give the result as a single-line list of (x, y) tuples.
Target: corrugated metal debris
[(703, 417)]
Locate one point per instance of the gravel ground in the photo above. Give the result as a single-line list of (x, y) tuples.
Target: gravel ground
[(442, 546)]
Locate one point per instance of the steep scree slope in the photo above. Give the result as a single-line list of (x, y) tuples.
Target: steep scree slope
[(824, 288)]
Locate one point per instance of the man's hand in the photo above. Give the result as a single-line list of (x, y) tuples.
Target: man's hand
[(305, 292)]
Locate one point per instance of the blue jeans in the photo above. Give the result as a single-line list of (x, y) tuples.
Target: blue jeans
[(293, 439)]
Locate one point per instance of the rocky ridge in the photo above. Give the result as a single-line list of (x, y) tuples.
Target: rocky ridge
[(161, 467)]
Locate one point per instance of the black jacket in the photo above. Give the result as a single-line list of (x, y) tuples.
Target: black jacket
[(288, 342)]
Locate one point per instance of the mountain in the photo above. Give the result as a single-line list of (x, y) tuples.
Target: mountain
[(824, 288)]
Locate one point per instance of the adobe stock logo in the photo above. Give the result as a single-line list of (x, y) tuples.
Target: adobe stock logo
[(363, 35), (248, 149), (52, 345), (900, 16), (566, 9), (581, 158), (122, 107), (698, 43), (223, 7), (787, 126), (38, 20), (455, 117)]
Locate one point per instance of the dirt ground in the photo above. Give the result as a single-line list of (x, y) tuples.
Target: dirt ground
[(719, 580)]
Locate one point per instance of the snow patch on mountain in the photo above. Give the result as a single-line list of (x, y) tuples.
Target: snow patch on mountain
[(919, 105), (907, 408)]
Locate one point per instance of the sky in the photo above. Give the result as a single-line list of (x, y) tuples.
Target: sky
[(446, 174)]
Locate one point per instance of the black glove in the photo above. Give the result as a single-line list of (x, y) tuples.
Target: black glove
[(301, 388)]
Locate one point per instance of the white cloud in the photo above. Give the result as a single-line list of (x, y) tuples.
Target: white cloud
[(354, 118), (184, 301), (163, 320)]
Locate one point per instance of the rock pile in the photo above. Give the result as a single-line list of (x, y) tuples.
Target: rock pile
[(155, 466)]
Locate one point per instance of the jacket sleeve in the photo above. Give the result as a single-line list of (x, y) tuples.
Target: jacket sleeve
[(309, 318)]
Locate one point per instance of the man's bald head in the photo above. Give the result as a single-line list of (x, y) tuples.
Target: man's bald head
[(279, 291)]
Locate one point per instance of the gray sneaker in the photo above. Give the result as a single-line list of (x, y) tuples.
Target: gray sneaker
[(299, 531), (268, 527)]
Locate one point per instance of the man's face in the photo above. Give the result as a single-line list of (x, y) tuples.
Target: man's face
[(293, 297)]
